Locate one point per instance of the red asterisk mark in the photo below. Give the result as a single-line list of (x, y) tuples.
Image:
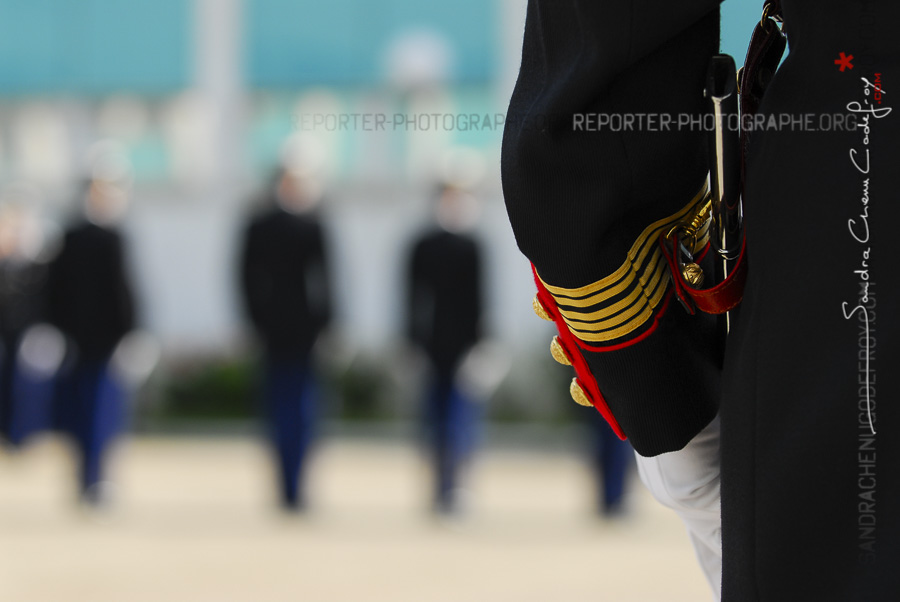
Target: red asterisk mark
[(844, 62)]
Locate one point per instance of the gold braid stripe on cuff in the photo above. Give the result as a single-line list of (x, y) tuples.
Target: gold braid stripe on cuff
[(644, 276)]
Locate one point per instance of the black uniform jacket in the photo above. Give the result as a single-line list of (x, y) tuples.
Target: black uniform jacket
[(587, 206), (284, 280), (810, 459), (444, 297), (89, 293)]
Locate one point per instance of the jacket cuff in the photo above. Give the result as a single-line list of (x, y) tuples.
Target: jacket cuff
[(649, 368)]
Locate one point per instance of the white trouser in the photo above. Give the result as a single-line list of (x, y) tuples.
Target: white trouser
[(687, 481)]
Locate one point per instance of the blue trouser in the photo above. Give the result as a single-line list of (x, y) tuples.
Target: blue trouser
[(26, 400), (451, 422), (612, 457), (7, 377), (91, 410), (290, 399)]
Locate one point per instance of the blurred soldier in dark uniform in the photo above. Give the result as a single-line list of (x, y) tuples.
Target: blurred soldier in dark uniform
[(23, 398), (90, 300), (809, 460), (285, 283), (444, 320)]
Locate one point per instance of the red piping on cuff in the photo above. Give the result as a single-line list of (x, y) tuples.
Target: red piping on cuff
[(578, 362)]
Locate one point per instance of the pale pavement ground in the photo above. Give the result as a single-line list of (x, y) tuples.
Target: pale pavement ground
[(193, 522)]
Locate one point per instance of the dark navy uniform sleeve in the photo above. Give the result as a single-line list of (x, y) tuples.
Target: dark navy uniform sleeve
[(318, 274), (591, 176), (254, 285)]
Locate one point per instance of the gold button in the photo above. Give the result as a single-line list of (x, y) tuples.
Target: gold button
[(579, 394), (558, 353), (693, 274), (538, 308)]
